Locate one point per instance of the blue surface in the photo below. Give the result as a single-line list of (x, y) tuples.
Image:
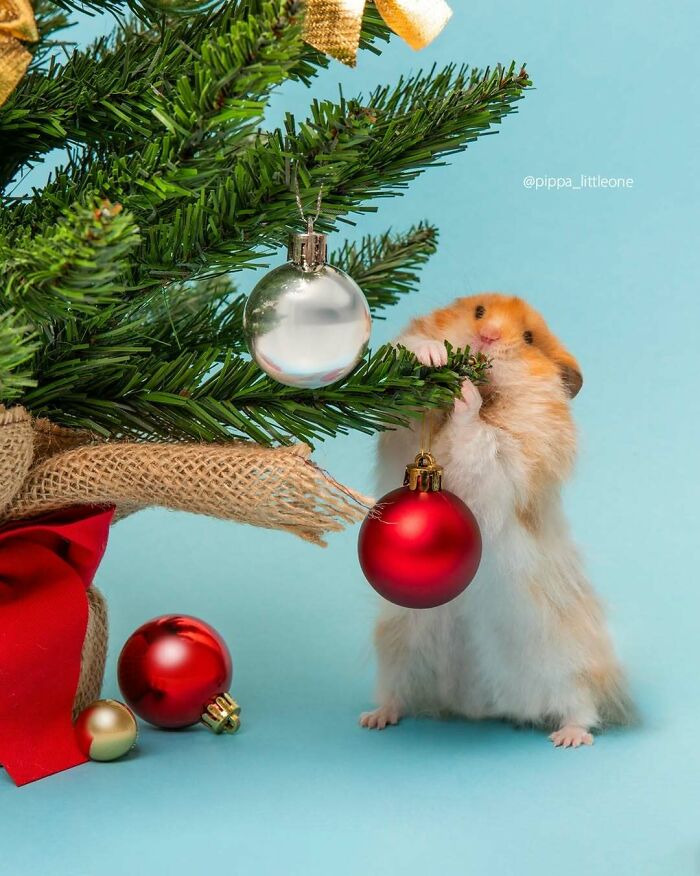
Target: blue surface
[(303, 790)]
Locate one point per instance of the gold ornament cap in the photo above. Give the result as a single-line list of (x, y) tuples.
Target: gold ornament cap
[(222, 715), (424, 474)]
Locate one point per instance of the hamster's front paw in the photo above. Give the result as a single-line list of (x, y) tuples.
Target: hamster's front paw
[(470, 400), (571, 736), (379, 718), (433, 353)]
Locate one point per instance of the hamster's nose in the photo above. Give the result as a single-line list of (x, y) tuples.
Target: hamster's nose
[(489, 334)]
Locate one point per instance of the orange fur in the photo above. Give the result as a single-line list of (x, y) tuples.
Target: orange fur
[(457, 323), (549, 450)]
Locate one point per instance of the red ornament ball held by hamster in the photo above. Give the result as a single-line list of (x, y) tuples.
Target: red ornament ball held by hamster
[(420, 546), (175, 670)]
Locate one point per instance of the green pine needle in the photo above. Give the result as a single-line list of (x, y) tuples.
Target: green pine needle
[(387, 267), (18, 343)]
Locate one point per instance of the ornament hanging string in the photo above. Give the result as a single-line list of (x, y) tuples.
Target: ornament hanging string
[(310, 221), (426, 433)]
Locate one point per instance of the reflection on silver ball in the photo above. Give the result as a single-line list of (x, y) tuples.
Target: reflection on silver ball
[(307, 328)]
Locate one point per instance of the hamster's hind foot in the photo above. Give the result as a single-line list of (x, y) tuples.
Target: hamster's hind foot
[(380, 718), (571, 736)]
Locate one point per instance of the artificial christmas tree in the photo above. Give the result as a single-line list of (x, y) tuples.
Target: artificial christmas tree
[(124, 376)]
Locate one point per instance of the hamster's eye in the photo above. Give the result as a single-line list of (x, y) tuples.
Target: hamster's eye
[(480, 311), (527, 337)]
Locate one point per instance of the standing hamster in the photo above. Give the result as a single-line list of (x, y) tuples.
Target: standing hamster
[(527, 640)]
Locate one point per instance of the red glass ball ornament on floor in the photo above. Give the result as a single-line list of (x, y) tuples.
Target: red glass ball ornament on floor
[(420, 546), (175, 670)]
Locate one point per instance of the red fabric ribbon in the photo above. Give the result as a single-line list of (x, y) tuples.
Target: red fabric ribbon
[(46, 566)]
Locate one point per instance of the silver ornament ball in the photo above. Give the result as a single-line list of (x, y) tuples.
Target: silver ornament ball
[(307, 323)]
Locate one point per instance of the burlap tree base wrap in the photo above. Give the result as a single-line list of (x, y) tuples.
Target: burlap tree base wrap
[(44, 468)]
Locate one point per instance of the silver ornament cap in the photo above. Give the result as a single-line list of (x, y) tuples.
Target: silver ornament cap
[(308, 250)]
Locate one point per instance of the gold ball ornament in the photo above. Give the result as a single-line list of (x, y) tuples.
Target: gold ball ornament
[(106, 730)]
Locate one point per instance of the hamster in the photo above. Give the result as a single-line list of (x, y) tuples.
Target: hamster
[(527, 640)]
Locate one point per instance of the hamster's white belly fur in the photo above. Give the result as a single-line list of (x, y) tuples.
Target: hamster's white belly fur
[(490, 652)]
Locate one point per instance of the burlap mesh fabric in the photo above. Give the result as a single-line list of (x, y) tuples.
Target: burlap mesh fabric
[(16, 452), (44, 468), (92, 665)]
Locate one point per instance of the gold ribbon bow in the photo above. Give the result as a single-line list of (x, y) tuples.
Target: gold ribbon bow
[(333, 26), (16, 23)]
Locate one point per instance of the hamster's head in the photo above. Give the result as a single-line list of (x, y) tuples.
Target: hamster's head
[(516, 338)]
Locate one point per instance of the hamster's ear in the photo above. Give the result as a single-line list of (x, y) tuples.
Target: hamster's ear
[(570, 372)]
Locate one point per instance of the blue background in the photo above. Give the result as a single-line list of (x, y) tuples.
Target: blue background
[(302, 789)]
